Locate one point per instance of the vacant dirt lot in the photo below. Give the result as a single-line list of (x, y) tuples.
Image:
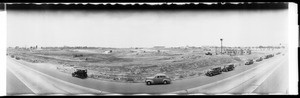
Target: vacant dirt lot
[(121, 64)]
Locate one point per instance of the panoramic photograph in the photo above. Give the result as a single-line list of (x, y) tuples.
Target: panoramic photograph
[(208, 51)]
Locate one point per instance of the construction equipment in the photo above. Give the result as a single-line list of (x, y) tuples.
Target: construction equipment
[(80, 73)]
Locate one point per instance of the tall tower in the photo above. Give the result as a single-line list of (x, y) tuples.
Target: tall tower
[(221, 45)]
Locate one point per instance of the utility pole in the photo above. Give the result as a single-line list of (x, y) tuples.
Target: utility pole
[(221, 45)]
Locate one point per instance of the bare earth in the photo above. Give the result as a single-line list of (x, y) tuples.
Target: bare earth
[(123, 63)]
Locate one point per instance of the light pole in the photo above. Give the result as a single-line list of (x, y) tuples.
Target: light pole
[(221, 45)]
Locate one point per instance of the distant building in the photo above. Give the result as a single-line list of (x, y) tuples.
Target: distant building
[(38, 48), (159, 47), (107, 52), (236, 51)]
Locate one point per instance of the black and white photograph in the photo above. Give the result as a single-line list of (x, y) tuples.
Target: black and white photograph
[(149, 49)]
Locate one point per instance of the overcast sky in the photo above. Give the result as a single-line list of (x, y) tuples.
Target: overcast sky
[(146, 28)]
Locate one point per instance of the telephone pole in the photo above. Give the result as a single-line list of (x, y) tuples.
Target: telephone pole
[(221, 45)]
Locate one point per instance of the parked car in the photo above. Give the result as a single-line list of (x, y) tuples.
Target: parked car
[(278, 53), (259, 59), (249, 62), (269, 56), (266, 57), (228, 68), (214, 71), (18, 58), (80, 73), (158, 79)]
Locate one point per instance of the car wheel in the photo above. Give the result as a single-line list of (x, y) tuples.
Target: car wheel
[(207, 74), (148, 83), (165, 82), (210, 74)]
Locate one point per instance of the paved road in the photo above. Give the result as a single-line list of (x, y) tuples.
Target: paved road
[(42, 78), (276, 82), (15, 86), (267, 81), (245, 82)]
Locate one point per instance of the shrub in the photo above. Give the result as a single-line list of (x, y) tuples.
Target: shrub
[(237, 59), (91, 76), (181, 76), (115, 78), (130, 80), (199, 74), (192, 74), (78, 55)]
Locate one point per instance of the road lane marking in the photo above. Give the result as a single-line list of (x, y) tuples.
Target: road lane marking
[(68, 86), (23, 81), (186, 90), (256, 81), (244, 79), (201, 89), (26, 76)]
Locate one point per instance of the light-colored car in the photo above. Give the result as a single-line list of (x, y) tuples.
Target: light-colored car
[(158, 79), (249, 62), (259, 59)]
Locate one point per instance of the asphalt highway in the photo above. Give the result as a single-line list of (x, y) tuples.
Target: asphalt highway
[(15, 86), (45, 79)]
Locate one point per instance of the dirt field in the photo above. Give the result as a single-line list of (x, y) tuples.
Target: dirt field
[(120, 64)]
